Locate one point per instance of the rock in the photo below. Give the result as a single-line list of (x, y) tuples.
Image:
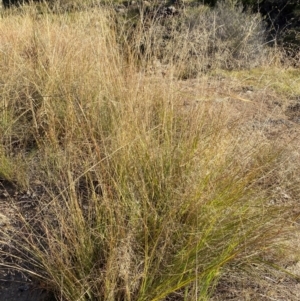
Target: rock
[(121, 9), (171, 10), (146, 4)]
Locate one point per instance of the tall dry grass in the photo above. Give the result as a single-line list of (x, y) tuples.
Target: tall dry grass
[(144, 198)]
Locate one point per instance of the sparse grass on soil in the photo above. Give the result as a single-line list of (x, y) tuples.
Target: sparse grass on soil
[(141, 187)]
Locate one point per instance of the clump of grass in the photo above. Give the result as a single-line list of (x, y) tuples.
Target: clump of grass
[(145, 197)]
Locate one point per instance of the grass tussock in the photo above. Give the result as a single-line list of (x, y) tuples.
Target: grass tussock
[(144, 198)]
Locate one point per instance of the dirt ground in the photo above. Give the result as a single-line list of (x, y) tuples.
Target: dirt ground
[(16, 286)]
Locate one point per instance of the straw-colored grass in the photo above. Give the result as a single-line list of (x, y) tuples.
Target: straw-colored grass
[(144, 198)]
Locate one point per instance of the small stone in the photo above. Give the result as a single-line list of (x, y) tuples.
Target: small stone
[(121, 9), (5, 194), (146, 4), (285, 196), (171, 10)]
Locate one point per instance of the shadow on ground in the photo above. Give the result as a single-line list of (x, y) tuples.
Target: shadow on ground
[(15, 287)]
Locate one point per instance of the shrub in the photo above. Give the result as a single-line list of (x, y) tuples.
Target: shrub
[(223, 37)]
